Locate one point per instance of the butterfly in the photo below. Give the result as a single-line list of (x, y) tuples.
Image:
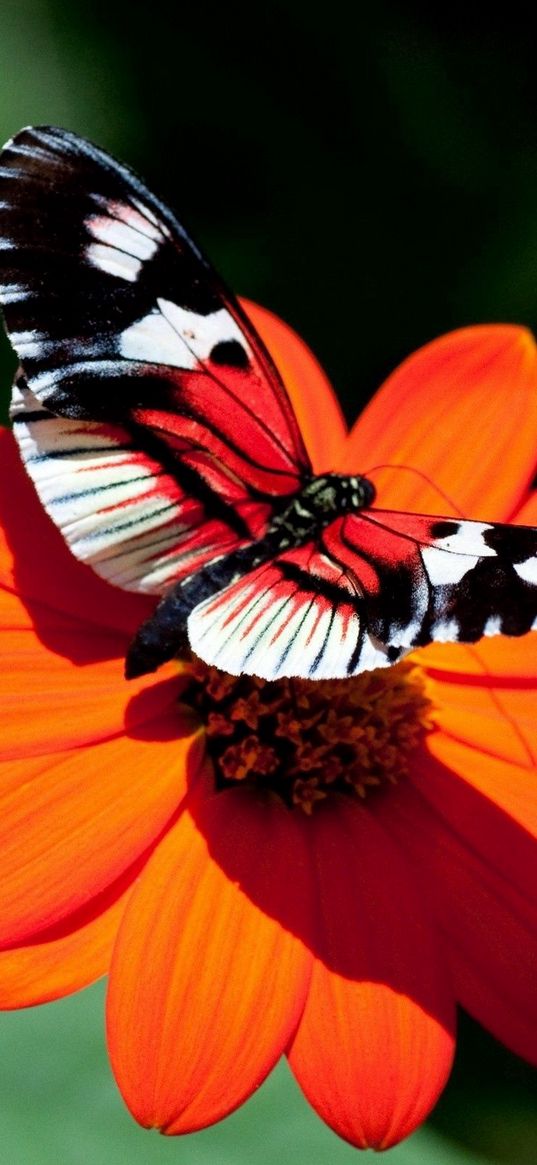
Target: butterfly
[(161, 441)]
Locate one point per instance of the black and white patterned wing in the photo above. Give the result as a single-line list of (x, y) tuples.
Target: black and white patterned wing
[(369, 589), (149, 414)]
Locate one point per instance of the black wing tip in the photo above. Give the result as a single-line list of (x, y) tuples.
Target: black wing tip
[(58, 143)]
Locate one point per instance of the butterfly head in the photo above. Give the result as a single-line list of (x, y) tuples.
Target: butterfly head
[(319, 502), (333, 493)]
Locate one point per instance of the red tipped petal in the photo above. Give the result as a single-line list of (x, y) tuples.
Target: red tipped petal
[(375, 1043), (209, 977), (455, 411)]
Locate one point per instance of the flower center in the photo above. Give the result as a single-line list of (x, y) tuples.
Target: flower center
[(304, 739)]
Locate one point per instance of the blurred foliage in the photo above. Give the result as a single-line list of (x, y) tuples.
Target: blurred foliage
[(371, 175), (490, 1104)]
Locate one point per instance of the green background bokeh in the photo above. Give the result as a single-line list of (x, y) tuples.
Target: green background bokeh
[(373, 179)]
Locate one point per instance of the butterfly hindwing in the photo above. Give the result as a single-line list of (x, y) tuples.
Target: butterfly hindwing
[(369, 589), (296, 615), (120, 323)]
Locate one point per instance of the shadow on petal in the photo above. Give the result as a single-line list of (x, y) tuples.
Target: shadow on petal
[(368, 920), (477, 863), (156, 713)]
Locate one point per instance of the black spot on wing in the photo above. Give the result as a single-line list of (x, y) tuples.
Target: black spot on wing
[(444, 529), (231, 353)]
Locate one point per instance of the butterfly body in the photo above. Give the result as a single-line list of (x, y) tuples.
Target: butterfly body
[(319, 502), (161, 441)]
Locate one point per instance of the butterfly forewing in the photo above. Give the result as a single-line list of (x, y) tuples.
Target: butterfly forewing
[(152, 420)]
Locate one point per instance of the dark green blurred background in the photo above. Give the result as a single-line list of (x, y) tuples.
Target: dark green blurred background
[(373, 179)]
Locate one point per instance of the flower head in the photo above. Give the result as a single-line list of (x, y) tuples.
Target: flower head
[(317, 869)]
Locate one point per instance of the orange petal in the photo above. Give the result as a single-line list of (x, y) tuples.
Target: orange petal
[(460, 416), (477, 861), (318, 412), (67, 957), (375, 1043), (71, 824), (504, 658), (493, 714), (35, 562), (508, 790), (526, 513), (50, 702), (208, 977)]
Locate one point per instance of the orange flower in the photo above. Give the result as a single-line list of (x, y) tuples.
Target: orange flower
[(235, 927)]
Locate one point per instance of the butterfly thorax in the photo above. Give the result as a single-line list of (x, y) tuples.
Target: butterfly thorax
[(320, 501)]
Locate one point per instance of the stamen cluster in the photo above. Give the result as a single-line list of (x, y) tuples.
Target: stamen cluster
[(304, 739)]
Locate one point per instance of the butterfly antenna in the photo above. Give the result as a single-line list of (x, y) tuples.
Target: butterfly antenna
[(424, 477)]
